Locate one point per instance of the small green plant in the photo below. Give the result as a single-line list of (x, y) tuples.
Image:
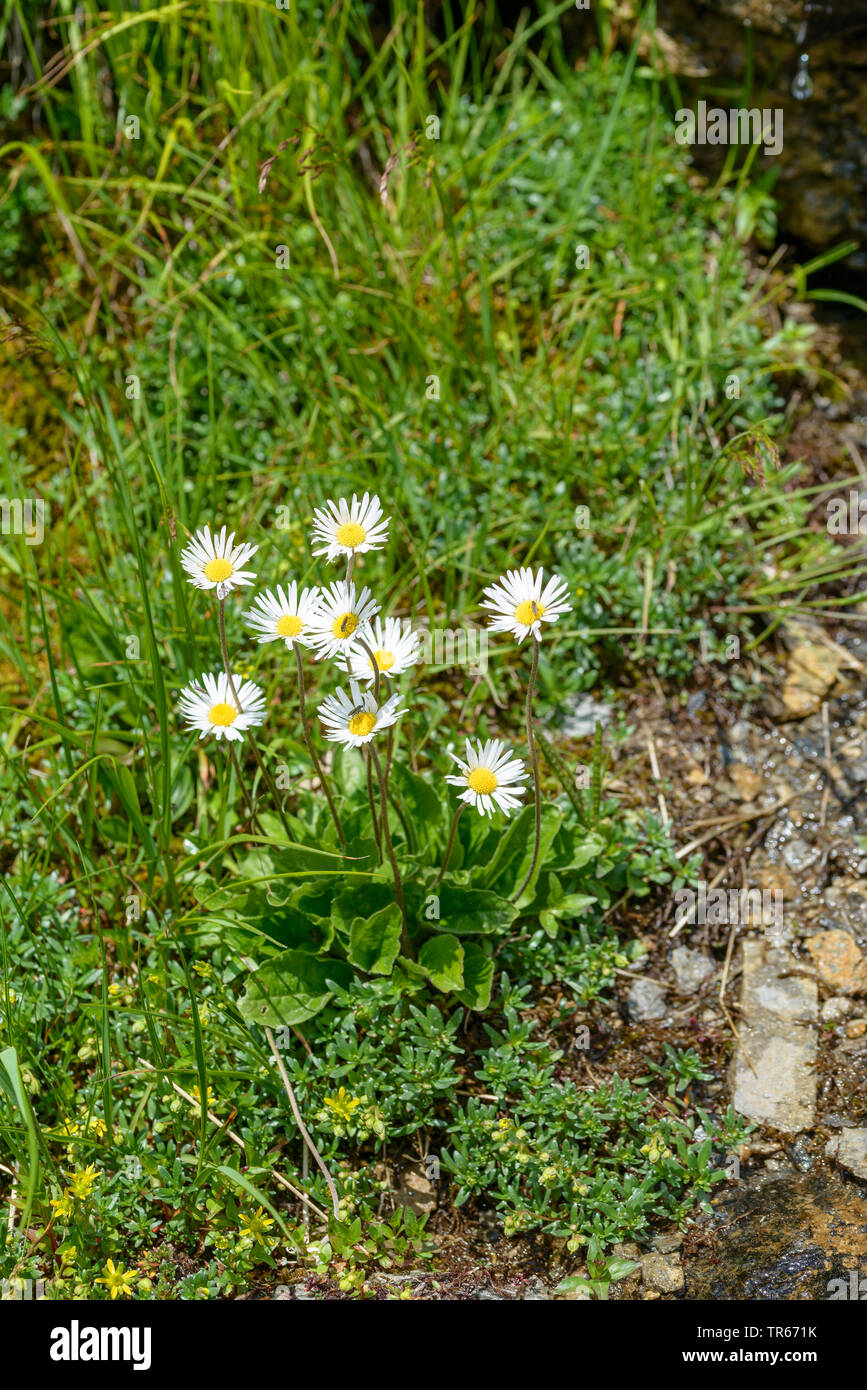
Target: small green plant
[(602, 1271)]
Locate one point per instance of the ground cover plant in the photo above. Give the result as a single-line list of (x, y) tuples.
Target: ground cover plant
[(288, 277)]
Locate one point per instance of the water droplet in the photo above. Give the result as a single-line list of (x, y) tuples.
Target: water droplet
[(802, 85)]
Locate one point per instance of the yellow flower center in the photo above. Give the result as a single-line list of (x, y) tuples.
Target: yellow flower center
[(345, 625), (351, 534), (482, 780), (222, 715), (218, 569), (362, 723), (528, 611), (288, 626), (384, 660)]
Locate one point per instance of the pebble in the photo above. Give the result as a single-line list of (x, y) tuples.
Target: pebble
[(662, 1272), (691, 968), (645, 1000), (849, 1147), (839, 964), (747, 782), (835, 1009)]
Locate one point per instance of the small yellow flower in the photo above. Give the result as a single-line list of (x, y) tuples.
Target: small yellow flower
[(63, 1205), (204, 967), (342, 1104), (256, 1226), (210, 1098), (118, 1281), (81, 1184)]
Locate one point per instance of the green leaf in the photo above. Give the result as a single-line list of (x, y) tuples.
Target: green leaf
[(442, 960), (348, 770), (574, 1284), (511, 860), (478, 977), (577, 855), (12, 1083), (419, 800), (360, 900), (374, 942), (299, 859), (291, 988), (474, 911)]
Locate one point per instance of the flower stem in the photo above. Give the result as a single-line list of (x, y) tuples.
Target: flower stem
[(320, 772), (266, 776), (398, 882), (254, 819), (534, 764), (368, 763), (375, 665), (450, 846), (305, 1134)]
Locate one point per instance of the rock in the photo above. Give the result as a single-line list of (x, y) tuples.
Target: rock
[(581, 716), (835, 1009), (747, 782), (847, 897), (801, 1156), (668, 1241), (691, 968), (626, 1250), (662, 1272), (856, 1029), (798, 854), (774, 1080), (783, 1237), (536, 1293), (645, 1000), (415, 1190), (839, 964), (849, 1148), (812, 670)]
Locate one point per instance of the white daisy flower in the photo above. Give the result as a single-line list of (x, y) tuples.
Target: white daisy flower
[(353, 719), (341, 618), (208, 704), (393, 643), (489, 777), (520, 605), (350, 528), (215, 562), (283, 615)]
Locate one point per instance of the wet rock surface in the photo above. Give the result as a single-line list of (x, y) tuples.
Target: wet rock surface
[(780, 1237), (822, 168)]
